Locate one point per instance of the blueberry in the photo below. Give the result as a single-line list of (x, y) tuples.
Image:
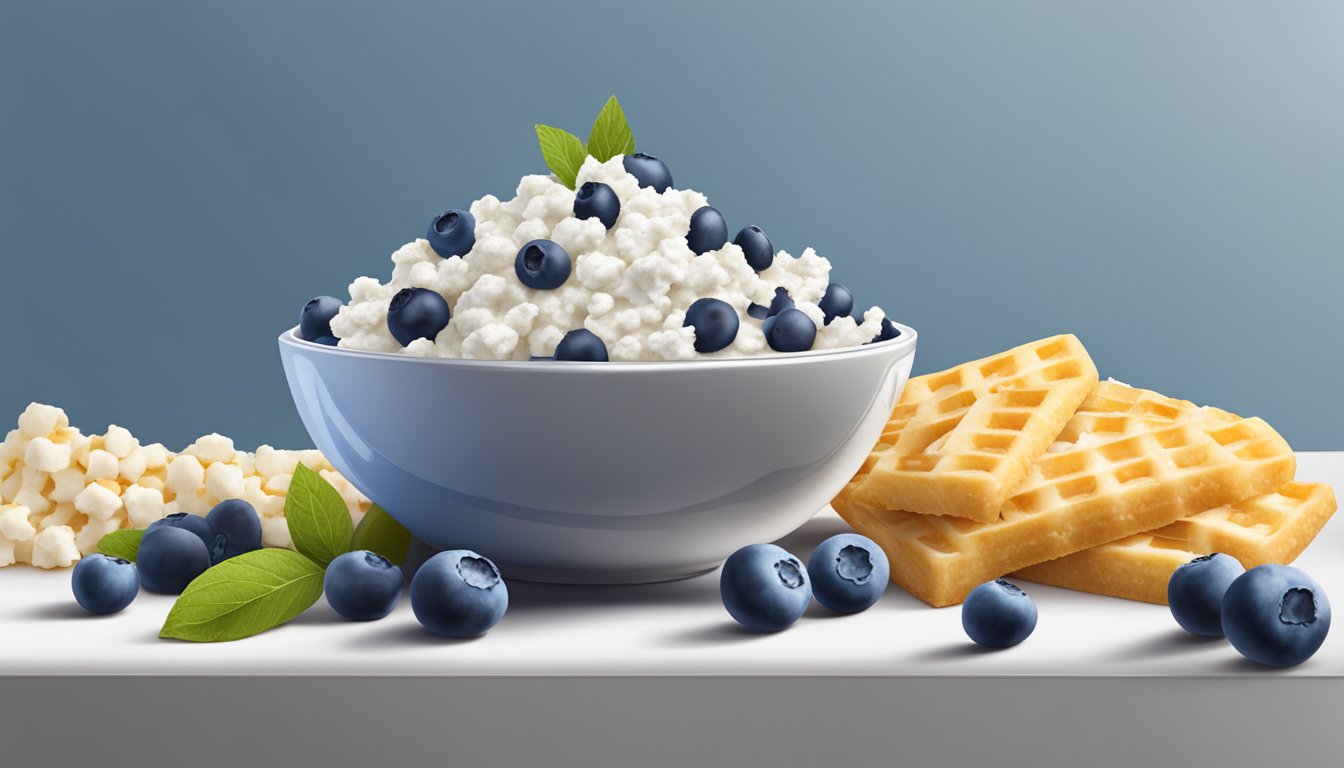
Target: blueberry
[(836, 302), (597, 200), (104, 584), (649, 171), (887, 333), (790, 331), (452, 233), (542, 264), (169, 558), (709, 232), (849, 572), (715, 323), (235, 528), (417, 313), (756, 247), (998, 614), (186, 521), (778, 304), (315, 319), (1276, 615), (326, 341), (1195, 593), (582, 345), (458, 593), (764, 588), (362, 585)]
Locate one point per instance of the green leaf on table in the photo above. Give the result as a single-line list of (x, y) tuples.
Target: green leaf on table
[(318, 520), (611, 134), (123, 544), (244, 595), (563, 151), (380, 532)]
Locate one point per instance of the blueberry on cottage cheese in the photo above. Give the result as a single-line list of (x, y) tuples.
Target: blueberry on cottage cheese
[(756, 247), (1276, 615), (104, 584), (1195, 593), (235, 528), (169, 558), (542, 264), (998, 614), (789, 331), (715, 323), (596, 200), (458, 593), (649, 171), (764, 588), (849, 572), (452, 233), (836, 302), (889, 331), (315, 319), (709, 232), (581, 345), (189, 522), (417, 313), (362, 585), (778, 304), (326, 341)]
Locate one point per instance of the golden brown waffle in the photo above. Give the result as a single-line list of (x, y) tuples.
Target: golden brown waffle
[(1273, 528), (961, 440), (1129, 461)]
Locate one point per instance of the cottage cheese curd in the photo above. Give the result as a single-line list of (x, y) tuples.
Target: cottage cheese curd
[(631, 285)]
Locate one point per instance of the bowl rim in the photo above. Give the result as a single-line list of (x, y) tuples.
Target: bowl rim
[(901, 345)]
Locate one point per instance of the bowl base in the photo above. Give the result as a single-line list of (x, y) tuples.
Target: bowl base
[(573, 576)]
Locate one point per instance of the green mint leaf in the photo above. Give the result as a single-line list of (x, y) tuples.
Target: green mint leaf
[(123, 544), (563, 152), (380, 532), (611, 135), (244, 595), (318, 520)]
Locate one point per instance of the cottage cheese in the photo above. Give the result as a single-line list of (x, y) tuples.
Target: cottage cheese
[(630, 285)]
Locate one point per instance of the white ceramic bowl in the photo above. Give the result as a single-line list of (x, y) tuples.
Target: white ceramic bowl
[(598, 472)]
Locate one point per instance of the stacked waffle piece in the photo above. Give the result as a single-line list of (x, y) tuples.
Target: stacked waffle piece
[(1024, 463)]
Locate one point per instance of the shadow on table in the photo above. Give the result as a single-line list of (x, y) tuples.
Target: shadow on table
[(1172, 642), (64, 610)]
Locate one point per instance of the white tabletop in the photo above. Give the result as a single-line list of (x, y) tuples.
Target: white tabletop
[(675, 629)]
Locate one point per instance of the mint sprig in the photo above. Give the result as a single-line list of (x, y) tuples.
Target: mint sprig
[(564, 152), (318, 520), (380, 532), (611, 134), (243, 596), (123, 544)]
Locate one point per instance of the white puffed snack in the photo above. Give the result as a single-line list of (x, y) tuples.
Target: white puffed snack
[(55, 547)]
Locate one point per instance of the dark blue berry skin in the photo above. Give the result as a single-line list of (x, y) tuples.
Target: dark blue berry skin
[(1195, 593), (542, 264), (764, 588), (649, 171), (596, 200), (756, 247), (790, 331), (998, 614), (715, 323), (836, 302), (581, 345), (778, 304), (887, 333), (235, 528), (849, 573), (1276, 615), (326, 341), (362, 585), (189, 522), (315, 319), (169, 558), (709, 232), (458, 593), (452, 233), (417, 313), (104, 584)]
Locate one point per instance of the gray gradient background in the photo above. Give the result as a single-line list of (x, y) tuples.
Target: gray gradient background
[(1164, 178)]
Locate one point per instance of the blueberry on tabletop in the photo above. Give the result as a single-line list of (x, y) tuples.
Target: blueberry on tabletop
[(189, 522), (709, 232), (542, 264), (235, 528), (715, 323), (362, 585), (581, 345), (1276, 615), (417, 313), (458, 593), (756, 247), (849, 572), (452, 233), (789, 331), (597, 200), (836, 302), (887, 333), (764, 588), (169, 558), (104, 584), (998, 614), (315, 319), (1195, 593), (649, 171)]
